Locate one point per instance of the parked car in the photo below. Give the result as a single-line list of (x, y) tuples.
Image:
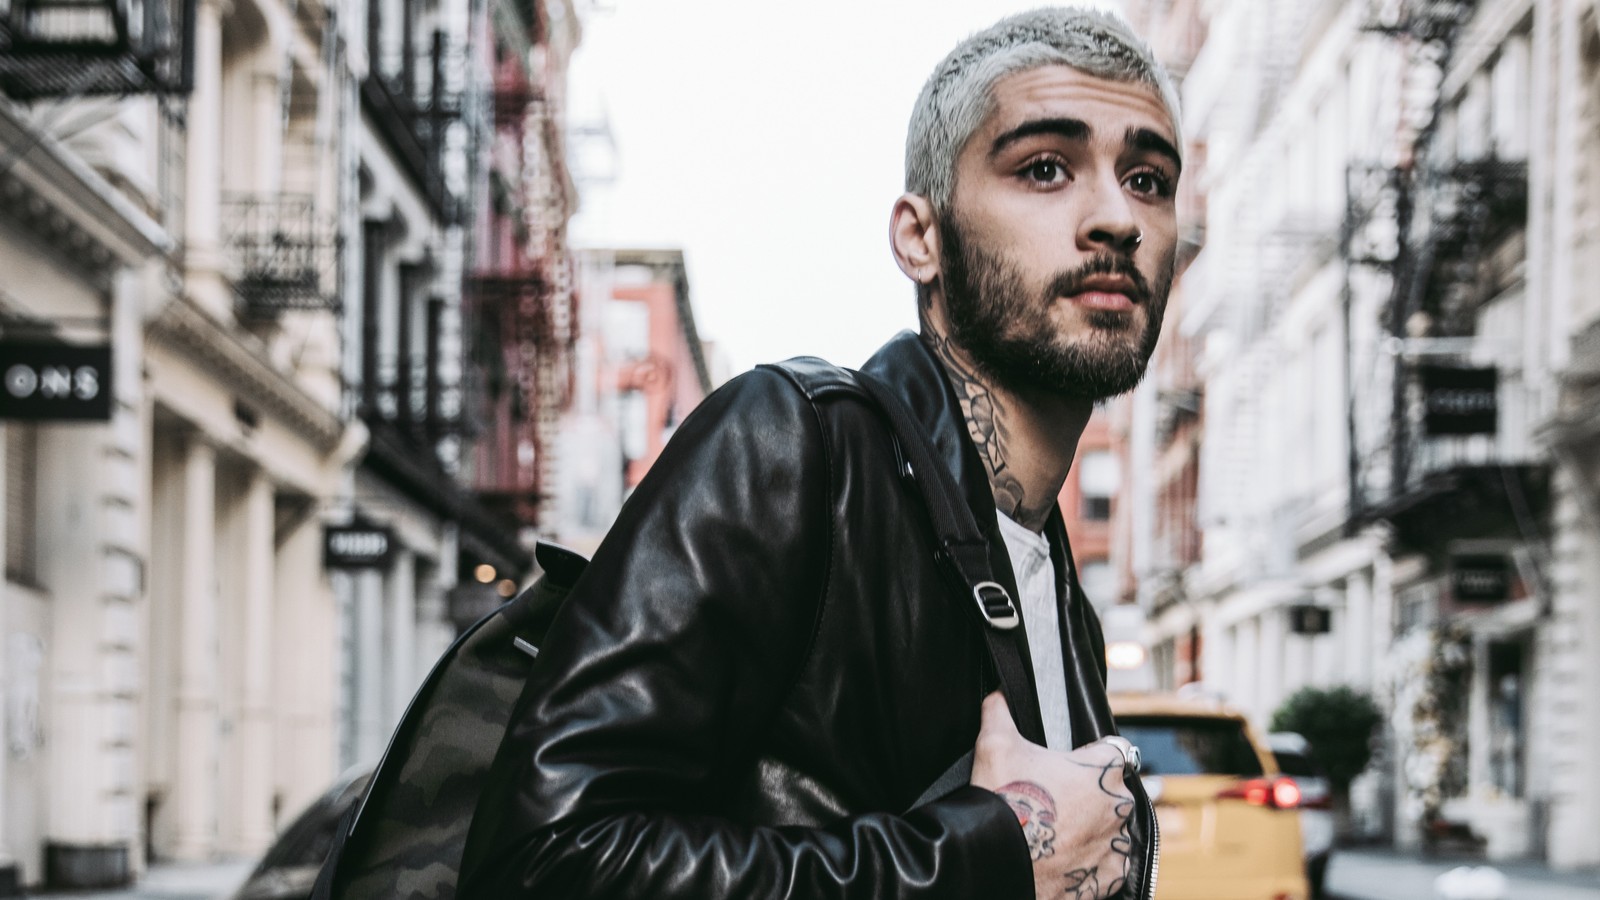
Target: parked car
[(1228, 817), (289, 868), (1295, 760)]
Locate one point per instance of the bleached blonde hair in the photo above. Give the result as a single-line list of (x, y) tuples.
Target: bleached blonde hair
[(959, 94)]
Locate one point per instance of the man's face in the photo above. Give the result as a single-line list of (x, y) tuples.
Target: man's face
[(1058, 248)]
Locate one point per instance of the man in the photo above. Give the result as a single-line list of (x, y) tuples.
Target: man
[(765, 664)]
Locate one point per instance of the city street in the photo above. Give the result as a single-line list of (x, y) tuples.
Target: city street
[(1384, 875), (1353, 875), (326, 325)]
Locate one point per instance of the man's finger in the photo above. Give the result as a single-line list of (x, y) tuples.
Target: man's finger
[(996, 718)]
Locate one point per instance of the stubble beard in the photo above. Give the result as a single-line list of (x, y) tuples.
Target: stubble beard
[(1008, 331)]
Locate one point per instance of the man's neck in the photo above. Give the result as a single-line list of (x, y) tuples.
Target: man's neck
[(1026, 442)]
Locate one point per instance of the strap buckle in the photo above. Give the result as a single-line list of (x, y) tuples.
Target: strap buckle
[(996, 605)]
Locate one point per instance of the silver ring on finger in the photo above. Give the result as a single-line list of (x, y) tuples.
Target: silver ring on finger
[(1131, 757)]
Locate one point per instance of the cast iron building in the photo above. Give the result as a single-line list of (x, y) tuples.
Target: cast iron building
[(1394, 355), (242, 506)]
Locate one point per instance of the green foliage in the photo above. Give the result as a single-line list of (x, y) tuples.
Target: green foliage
[(1339, 723)]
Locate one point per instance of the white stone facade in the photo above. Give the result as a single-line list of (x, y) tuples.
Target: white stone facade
[(179, 670), (1299, 361)]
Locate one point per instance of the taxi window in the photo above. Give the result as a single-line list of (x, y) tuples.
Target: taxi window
[(1177, 745), (1297, 765)]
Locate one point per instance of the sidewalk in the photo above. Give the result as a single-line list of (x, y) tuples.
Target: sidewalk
[(1370, 874), (172, 881)]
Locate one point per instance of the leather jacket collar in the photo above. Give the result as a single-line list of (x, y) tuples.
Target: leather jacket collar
[(908, 365)]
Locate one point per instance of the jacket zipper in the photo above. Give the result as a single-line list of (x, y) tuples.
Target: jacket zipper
[(1154, 865)]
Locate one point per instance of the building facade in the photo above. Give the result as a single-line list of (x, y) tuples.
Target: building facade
[(1391, 353), (641, 368), (237, 241)]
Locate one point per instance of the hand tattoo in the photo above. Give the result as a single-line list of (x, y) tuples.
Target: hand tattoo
[(1084, 884), (1036, 810)]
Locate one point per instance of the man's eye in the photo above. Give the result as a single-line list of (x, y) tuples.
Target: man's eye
[(1150, 183), (1044, 171)]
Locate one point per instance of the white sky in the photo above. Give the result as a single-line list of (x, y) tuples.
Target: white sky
[(765, 139)]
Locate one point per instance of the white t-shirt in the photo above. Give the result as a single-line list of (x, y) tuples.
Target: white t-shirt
[(1036, 581)]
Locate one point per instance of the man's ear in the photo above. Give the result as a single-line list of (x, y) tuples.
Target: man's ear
[(914, 235)]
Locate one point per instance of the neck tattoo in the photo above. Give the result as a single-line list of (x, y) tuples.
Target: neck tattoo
[(988, 416)]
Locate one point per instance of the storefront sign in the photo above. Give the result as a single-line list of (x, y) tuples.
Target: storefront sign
[(54, 382), (1460, 401), (1308, 619), (356, 546), (1481, 578)]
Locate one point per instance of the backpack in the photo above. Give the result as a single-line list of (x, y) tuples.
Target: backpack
[(405, 838)]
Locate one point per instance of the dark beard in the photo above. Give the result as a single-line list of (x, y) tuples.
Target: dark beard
[(1011, 339)]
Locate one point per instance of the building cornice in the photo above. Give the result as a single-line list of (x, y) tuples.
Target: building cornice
[(63, 201), (188, 330), (670, 266)]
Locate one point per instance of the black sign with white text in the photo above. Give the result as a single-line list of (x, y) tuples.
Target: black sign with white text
[(1460, 401), (55, 382), (1308, 619), (1480, 578), (356, 546)]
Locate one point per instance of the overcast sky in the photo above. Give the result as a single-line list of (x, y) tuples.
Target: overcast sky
[(765, 140)]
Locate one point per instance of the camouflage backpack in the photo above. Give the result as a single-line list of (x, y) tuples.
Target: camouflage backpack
[(406, 836)]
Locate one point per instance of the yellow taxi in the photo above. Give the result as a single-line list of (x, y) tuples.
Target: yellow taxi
[(1229, 823)]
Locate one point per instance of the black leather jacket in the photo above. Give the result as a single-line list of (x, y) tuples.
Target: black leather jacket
[(764, 666)]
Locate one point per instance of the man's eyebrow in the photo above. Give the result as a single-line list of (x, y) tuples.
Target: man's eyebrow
[(1150, 141), (1071, 129)]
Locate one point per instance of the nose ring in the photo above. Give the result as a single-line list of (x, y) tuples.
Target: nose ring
[(1137, 239)]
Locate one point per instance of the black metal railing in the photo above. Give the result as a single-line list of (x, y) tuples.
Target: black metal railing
[(285, 255), (66, 48), (415, 106)]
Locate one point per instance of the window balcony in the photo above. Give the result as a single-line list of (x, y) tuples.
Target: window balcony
[(72, 48), (285, 255)]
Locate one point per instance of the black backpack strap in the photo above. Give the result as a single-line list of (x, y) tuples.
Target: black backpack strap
[(964, 548)]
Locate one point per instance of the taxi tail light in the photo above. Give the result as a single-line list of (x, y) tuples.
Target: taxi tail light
[(1323, 802), (1272, 793)]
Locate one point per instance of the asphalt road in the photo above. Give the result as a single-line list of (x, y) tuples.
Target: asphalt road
[(1382, 875)]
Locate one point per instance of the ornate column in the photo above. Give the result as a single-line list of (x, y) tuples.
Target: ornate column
[(400, 648), (203, 163), (306, 678), (370, 714), (195, 789), (254, 820)]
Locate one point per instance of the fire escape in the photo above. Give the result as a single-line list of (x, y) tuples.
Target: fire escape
[(284, 253), (521, 294), (1431, 456), (67, 48), (414, 107)]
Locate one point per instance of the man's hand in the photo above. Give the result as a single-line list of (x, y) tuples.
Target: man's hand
[(1074, 808)]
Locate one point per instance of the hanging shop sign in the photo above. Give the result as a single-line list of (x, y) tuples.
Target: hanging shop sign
[(55, 382), (1309, 619), (1460, 401), (1481, 578), (356, 546)]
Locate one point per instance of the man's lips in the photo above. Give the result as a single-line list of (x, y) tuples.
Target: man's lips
[(1112, 292), (1113, 300)]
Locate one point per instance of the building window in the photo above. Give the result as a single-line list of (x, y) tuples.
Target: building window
[(1097, 484), (1098, 582), (22, 502)]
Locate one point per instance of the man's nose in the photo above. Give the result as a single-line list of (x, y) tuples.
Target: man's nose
[(1109, 223)]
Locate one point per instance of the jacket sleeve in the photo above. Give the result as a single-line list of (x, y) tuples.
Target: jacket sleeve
[(670, 657)]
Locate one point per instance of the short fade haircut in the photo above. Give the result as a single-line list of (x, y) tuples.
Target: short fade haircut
[(959, 94)]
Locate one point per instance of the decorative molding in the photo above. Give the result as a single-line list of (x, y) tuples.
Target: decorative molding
[(186, 328), (57, 196)]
